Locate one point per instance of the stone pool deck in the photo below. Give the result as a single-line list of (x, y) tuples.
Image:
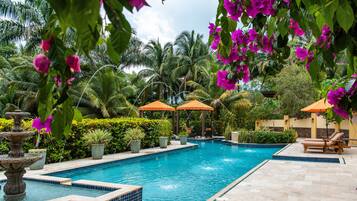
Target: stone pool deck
[(291, 177)]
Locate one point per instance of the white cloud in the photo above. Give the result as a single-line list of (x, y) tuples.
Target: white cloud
[(149, 25)]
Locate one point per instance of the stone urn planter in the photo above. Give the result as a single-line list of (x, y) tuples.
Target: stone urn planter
[(163, 142), (133, 136), (135, 146), (97, 151), (38, 165), (97, 139), (183, 140), (183, 137)]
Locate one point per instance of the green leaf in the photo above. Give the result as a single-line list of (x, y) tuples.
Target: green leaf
[(345, 15), (271, 26), (83, 16), (298, 2), (283, 27), (77, 115), (63, 117), (45, 100), (314, 69), (120, 30), (328, 11)]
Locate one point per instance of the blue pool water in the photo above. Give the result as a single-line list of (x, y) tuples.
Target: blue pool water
[(190, 175), (37, 191)]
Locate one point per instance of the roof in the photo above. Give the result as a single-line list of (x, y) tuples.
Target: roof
[(195, 105), (319, 106), (156, 106)]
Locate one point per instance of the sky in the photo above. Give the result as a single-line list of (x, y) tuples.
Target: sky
[(166, 21)]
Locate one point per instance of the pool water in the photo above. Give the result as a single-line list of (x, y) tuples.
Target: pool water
[(38, 191), (190, 175)]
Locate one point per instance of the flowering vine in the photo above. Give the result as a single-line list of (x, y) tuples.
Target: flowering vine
[(266, 27)]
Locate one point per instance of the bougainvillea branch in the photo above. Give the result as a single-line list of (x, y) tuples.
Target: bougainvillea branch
[(269, 27), (59, 64)]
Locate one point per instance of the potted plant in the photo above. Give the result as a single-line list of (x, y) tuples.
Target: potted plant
[(41, 129), (183, 137), (133, 136), (97, 140), (164, 133)]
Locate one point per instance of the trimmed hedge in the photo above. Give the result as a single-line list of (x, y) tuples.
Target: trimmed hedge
[(267, 137), (73, 146)]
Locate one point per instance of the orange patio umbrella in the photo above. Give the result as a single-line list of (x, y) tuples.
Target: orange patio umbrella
[(318, 106), (156, 106), (159, 106), (195, 105)]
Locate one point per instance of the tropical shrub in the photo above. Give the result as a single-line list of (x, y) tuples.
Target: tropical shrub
[(267, 137), (97, 136), (73, 146), (133, 134)]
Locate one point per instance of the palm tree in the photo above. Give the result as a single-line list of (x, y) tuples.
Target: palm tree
[(23, 21), (193, 58), (228, 103), (19, 84), (106, 95), (158, 61)]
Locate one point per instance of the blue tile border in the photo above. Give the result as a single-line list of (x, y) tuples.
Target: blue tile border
[(253, 145), (307, 159)]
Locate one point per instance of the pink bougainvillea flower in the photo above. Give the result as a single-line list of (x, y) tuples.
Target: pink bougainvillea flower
[(294, 25), (301, 53), (41, 63), (324, 41), (214, 32), (70, 81), (74, 63), (58, 80), (267, 44), (239, 37), (46, 45), (341, 112), (253, 47), (287, 2), (223, 82), (215, 42), (264, 7), (244, 70), (43, 125), (335, 96), (138, 4), (310, 58), (252, 35), (233, 8)]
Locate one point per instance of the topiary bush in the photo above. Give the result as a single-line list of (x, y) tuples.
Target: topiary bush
[(267, 137), (73, 146)]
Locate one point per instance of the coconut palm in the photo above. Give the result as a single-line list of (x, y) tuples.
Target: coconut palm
[(159, 61), (19, 84), (193, 56), (23, 21), (105, 96), (224, 102)]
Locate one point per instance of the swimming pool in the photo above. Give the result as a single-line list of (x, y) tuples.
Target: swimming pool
[(36, 191), (187, 175)]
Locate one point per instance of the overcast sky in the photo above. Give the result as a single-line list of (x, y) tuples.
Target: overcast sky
[(166, 21)]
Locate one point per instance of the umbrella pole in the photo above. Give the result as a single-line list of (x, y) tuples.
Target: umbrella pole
[(326, 128)]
